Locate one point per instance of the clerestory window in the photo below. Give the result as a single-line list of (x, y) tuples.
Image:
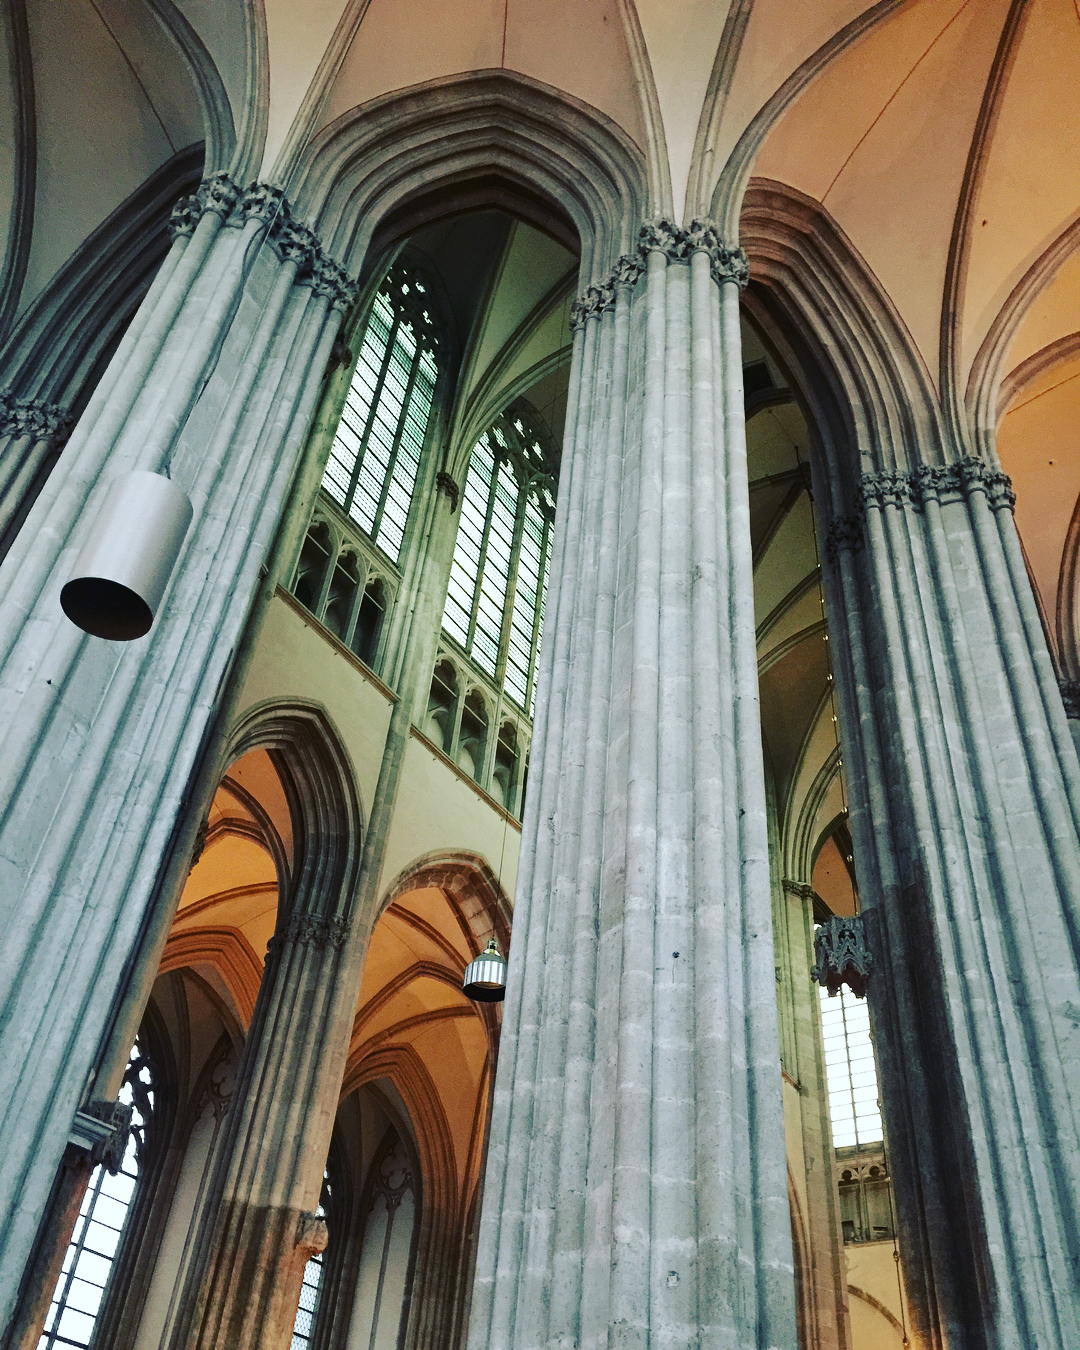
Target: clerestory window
[(850, 1069), (498, 578), (88, 1262), (375, 458)]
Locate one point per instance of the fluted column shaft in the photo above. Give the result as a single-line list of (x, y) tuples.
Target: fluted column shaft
[(636, 1188), (215, 379), (966, 798)]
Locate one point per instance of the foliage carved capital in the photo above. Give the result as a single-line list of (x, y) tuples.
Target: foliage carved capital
[(842, 956), (33, 418)]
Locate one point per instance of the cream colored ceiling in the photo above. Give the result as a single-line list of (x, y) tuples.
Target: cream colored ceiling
[(110, 102)]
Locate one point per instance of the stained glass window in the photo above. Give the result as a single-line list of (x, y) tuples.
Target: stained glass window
[(375, 458), (84, 1275), (850, 1069), (498, 578)]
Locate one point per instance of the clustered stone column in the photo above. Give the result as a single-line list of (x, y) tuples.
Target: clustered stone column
[(214, 380), (636, 1183), (258, 1227), (965, 791)]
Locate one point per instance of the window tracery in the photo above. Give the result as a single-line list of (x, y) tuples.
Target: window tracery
[(375, 457), (498, 578)]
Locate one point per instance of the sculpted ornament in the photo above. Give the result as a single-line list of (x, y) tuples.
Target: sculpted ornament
[(842, 956), (291, 239), (678, 246), (844, 534), (32, 418), (940, 483), (1070, 697), (312, 930)]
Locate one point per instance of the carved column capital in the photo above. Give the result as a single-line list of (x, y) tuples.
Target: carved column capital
[(312, 930), (845, 534), (678, 246), (326, 277), (218, 193), (260, 201), (940, 483), (842, 956), (33, 418)]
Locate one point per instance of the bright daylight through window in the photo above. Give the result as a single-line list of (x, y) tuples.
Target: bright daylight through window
[(498, 579), (852, 1073), (76, 1300), (376, 453)]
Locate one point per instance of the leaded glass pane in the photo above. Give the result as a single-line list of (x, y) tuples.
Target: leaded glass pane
[(375, 458), (88, 1261), (850, 1069), (502, 555)]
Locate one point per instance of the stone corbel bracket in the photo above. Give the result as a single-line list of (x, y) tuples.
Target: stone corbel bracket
[(842, 956), (312, 1234), (102, 1128), (446, 484)]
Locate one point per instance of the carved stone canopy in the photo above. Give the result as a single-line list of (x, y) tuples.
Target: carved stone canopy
[(842, 956)]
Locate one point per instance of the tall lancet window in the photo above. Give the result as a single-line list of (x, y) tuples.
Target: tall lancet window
[(386, 1254), (498, 578), (375, 457), (850, 1069), (84, 1275)]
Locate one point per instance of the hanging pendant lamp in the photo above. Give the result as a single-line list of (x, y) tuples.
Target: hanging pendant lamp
[(485, 977), (121, 573)]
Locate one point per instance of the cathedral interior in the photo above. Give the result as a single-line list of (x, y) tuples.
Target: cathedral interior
[(594, 483)]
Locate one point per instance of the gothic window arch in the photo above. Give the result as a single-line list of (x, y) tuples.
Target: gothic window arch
[(498, 578), (388, 1248), (107, 1204), (375, 457)]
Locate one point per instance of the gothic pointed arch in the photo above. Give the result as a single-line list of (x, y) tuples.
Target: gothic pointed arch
[(481, 131), (324, 800)]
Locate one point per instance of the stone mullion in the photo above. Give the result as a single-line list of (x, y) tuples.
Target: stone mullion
[(923, 1172), (28, 567), (102, 709), (767, 1207), (1034, 643), (500, 1232), (271, 1156), (673, 1313), (1020, 1040)]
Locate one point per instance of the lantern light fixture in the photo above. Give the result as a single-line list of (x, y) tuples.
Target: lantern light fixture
[(485, 977), (123, 568)]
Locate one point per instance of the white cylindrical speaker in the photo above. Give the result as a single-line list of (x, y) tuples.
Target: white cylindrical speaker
[(121, 573)]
